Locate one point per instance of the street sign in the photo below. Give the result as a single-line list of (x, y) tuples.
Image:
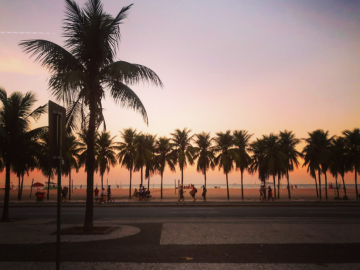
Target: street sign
[(55, 121)]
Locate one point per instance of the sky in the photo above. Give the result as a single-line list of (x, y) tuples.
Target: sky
[(261, 66)]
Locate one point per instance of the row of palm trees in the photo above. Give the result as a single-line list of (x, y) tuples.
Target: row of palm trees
[(271, 156)]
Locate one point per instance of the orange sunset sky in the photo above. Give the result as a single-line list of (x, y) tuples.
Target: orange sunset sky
[(262, 66)]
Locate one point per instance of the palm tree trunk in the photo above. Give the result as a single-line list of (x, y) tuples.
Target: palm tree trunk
[(356, 188), (317, 192), (205, 185), (278, 186), (274, 185), (5, 214), (182, 177), (19, 187), (319, 183), (161, 196), (326, 187), (141, 171), (102, 183), (149, 182), (70, 185), (90, 162), (227, 186), (288, 183), (22, 185), (48, 191), (130, 184), (344, 185), (336, 183), (242, 186)]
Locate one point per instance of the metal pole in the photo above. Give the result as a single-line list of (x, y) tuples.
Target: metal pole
[(59, 140), (31, 186)]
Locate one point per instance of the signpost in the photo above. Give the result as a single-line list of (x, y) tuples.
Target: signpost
[(57, 118)]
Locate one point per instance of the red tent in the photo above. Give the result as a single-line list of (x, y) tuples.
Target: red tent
[(37, 184)]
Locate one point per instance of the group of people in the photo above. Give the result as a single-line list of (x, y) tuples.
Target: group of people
[(142, 193), (263, 193), (104, 195), (192, 193)]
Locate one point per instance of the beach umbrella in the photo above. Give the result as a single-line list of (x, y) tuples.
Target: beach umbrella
[(37, 184)]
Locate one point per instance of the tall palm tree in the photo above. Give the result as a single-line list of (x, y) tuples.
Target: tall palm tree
[(204, 152), (72, 149), (44, 163), (226, 155), (338, 161), (352, 139), (182, 149), (127, 151), (274, 158), (150, 141), (142, 154), (288, 143), (317, 152), (164, 157), (257, 148), (105, 154), (15, 117), (85, 69), (26, 162), (241, 142)]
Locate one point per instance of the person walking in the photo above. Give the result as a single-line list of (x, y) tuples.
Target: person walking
[(270, 193), (181, 195), (193, 192), (204, 193), (96, 192)]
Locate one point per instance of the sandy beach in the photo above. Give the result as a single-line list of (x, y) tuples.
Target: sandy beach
[(218, 194)]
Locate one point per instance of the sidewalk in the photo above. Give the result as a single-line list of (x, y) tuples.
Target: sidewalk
[(171, 203)]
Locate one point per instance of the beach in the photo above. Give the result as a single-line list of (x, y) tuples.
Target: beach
[(213, 194)]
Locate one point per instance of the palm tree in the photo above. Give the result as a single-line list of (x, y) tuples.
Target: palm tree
[(142, 154), (150, 142), (257, 148), (182, 149), (204, 152), (352, 139), (288, 142), (127, 151), (44, 164), (72, 149), (27, 161), (274, 159), (241, 142), (15, 117), (338, 161), (164, 156), (85, 69), (317, 152), (105, 154), (227, 155)]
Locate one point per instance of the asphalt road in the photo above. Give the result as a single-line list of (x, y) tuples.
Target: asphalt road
[(181, 213), (145, 246)]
